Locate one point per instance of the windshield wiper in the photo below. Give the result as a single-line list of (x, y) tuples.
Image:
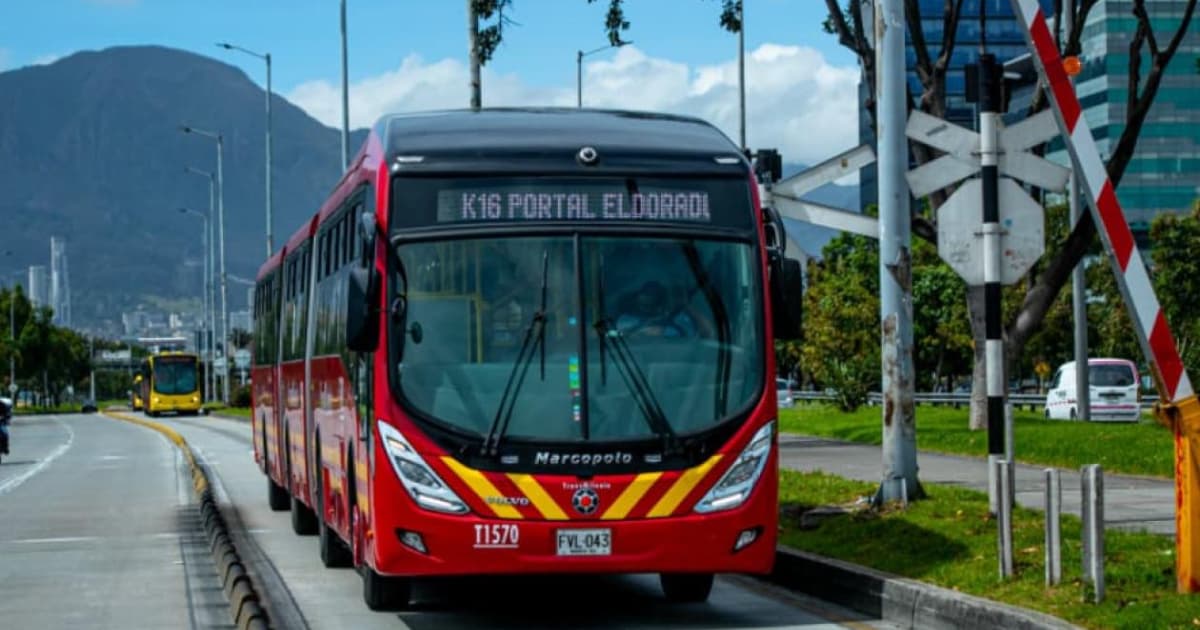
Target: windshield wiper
[(635, 379), (516, 377), (721, 320)]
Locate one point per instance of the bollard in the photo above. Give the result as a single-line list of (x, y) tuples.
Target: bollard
[(1053, 527), (1003, 475), (1092, 487)]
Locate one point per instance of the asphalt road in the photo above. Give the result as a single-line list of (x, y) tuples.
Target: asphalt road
[(98, 529), (304, 594)]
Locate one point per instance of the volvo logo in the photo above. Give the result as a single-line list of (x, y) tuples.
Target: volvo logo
[(588, 156), (586, 501)]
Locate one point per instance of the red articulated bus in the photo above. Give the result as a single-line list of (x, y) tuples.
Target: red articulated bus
[(529, 341)]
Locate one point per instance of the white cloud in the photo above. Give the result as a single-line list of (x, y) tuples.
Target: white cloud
[(795, 100), (4, 59), (45, 60)]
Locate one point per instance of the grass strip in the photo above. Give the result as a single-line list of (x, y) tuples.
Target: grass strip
[(220, 409), (1142, 448), (950, 540)]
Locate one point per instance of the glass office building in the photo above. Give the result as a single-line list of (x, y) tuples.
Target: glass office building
[(1164, 174)]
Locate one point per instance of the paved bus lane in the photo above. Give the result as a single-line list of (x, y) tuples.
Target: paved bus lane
[(98, 530), (331, 598)]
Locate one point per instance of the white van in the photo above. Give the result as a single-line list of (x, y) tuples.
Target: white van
[(1113, 391)]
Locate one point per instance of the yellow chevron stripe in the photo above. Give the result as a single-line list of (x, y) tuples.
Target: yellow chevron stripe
[(688, 480), (482, 487), (632, 494), (537, 495)]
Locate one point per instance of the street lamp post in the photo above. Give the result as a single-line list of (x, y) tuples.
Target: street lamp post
[(270, 207), (210, 342), (204, 293), (579, 55), (12, 334), (345, 95), (221, 250)]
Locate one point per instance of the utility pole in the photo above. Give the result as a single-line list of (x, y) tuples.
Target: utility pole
[(92, 366), (345, 99), (1083, 402), (899, 481), (741, 75), (473, 52)]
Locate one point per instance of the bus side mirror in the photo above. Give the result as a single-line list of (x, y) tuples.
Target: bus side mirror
[(787, 297), (362, 314)]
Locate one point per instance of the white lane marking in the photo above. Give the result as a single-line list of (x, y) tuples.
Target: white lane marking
[(49, 541), (109, 458), (11, 484)]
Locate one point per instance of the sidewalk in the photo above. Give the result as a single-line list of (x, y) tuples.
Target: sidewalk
[(1132, 503)]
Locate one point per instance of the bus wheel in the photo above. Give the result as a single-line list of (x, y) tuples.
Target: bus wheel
[(686, 587), (385, 593), (334, 553), (304, 520), (277, 496)]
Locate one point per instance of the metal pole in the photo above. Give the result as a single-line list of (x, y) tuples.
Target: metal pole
[(1053, 507), (741, 75), (895, 264), (92, 374), (1083, 401), (473, 53), (270, 200), (579, 79), (12, 335), (1004, 473), (989, 101), (210, 336), (1092, 487), (345, 97), (224, 279)]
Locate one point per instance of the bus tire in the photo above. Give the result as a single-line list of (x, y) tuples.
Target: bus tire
[(686, 587), (334, 553), (385, 592), (277, 495), (304, 520)]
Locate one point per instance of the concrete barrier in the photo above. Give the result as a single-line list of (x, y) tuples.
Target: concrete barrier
[(901, 601), (245, 606)]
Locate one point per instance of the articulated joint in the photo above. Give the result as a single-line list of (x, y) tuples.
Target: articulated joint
[(1183, 416)]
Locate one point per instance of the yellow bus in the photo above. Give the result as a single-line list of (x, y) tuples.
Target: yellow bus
[(171, 382)]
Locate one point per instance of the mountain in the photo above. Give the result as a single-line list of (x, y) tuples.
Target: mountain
[(92, 153)]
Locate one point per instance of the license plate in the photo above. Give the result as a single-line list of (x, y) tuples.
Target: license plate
[(584, 542)]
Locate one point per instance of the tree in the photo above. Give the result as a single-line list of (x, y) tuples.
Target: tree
[(841, 320), (482, 43), (615, 22), (1055, 271)]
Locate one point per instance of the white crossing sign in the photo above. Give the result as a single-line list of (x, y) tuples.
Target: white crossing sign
[(960, 240), (961, 146)]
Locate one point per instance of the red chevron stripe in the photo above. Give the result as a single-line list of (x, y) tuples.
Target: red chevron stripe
[(1119, 235), (1162, 344), (1064, 92)]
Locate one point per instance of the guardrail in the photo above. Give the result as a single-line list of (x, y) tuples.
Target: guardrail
[(1033, 402)]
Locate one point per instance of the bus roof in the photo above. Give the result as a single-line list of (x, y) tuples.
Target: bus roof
[(553, 133)]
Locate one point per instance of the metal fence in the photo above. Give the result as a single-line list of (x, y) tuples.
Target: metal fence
[(1032, 402)]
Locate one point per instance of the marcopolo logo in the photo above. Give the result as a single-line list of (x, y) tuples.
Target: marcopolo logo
[(547, 458)]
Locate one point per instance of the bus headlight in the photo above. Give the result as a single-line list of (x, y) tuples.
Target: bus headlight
[(422, 483), (738, 482)]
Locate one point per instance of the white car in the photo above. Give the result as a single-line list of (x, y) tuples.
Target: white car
[(1113, 391), (783, 392)]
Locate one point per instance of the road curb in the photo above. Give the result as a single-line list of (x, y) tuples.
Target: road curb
[(244, 603), (901, 601)]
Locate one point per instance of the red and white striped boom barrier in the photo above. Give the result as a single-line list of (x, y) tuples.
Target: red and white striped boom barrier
[(1181, 409)]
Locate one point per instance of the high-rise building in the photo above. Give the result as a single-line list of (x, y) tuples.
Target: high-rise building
[(60, 282), (38, 286), (1001, 31), (1164, 173)]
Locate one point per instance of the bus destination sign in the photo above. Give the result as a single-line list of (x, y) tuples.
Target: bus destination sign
[(539, 204)]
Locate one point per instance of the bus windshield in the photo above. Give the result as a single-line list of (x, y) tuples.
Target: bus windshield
[(580, 337), (175, 375)]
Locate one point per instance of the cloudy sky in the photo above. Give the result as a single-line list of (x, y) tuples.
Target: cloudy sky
[(410, 54)]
